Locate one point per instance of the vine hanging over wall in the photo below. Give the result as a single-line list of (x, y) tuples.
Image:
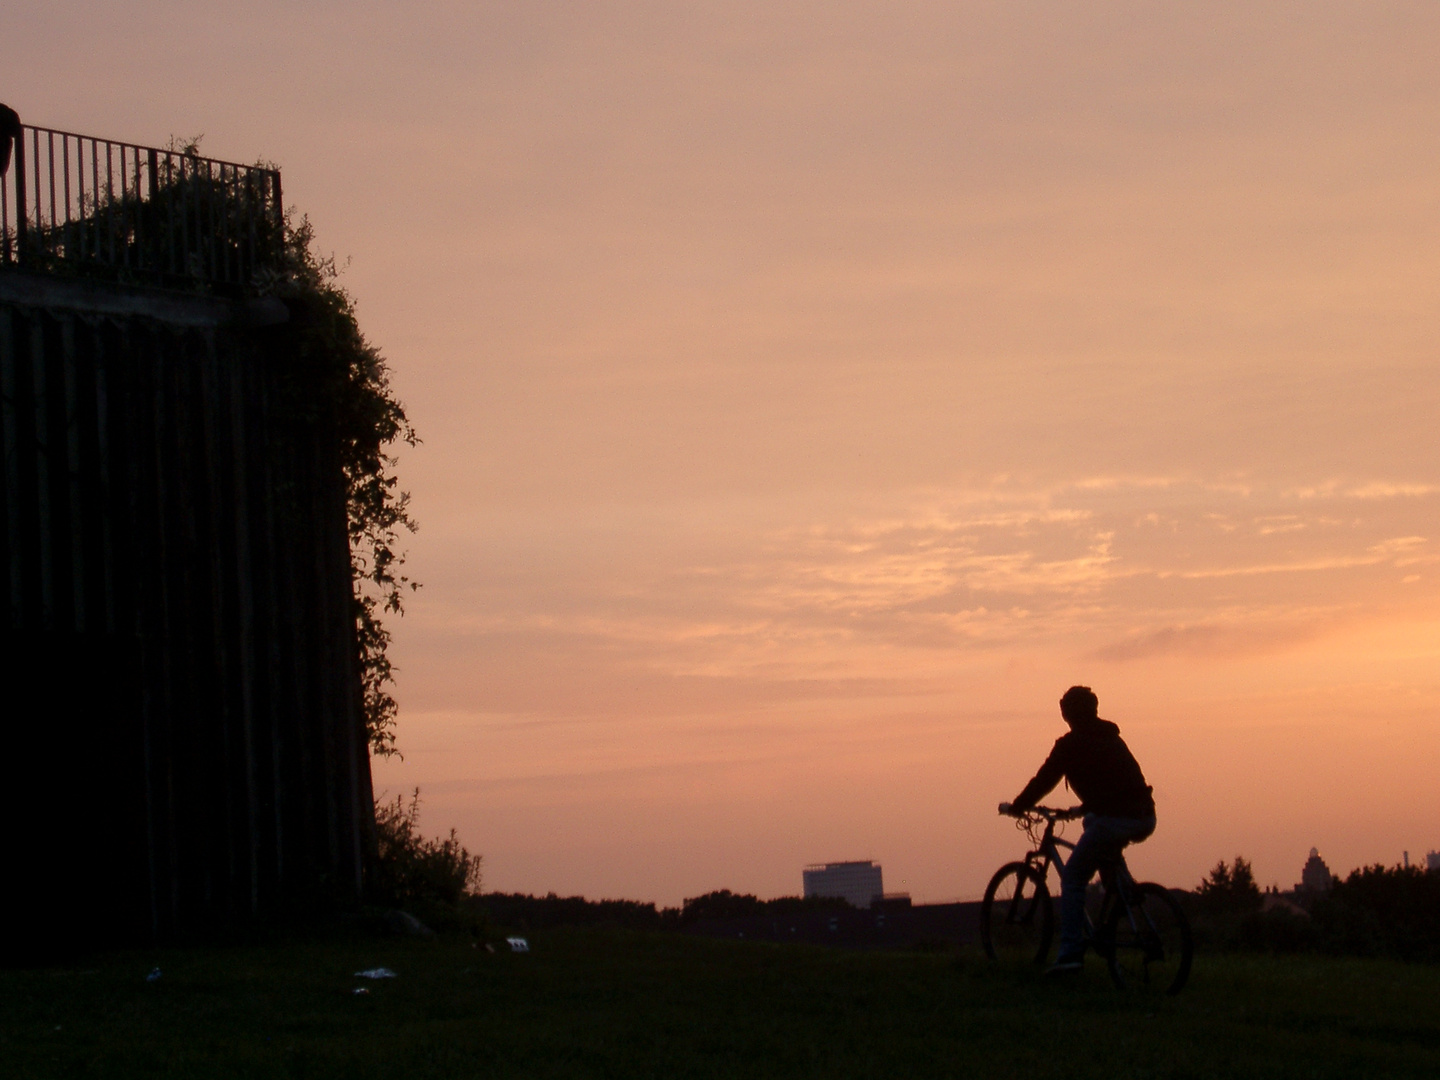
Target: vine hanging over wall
[(371, 420)]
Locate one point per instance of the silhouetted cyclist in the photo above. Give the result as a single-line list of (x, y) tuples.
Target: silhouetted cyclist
[(1119, 807)]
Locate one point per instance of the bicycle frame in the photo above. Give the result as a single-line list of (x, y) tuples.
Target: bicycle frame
[(1115, 878)]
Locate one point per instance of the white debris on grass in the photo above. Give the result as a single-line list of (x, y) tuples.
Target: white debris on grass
[(376, 973), (518, 944)]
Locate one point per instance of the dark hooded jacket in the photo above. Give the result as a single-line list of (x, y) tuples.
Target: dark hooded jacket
[(1100, 770)]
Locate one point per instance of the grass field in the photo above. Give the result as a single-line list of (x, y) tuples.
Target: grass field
[(589, 1003)]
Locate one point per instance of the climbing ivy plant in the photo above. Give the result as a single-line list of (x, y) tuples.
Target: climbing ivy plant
[(355, 380)]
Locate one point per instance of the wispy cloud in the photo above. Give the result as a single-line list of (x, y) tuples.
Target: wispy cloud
[(1248, 636), (1369, 490), (1303, 566), (1141, 563)]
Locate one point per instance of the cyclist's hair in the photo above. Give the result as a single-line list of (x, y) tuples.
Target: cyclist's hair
[(1080, 702)]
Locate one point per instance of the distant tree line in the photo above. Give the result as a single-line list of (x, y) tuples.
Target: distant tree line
[(439, 879), (727, 905), (544, 912), (1375, 911), (525, 912)]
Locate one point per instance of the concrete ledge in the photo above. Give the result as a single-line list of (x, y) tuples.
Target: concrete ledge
[(103, 298)]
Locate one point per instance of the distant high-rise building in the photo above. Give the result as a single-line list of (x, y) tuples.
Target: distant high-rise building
[(1316, 875), (1432, 861), (857, 882)]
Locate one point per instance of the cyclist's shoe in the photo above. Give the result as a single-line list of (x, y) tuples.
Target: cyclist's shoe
[(1066, 965)]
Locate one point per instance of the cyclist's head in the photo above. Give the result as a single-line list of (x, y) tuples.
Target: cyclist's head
[(1079, 703)]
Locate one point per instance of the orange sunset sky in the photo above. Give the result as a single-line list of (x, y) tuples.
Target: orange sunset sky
[(811, 392)]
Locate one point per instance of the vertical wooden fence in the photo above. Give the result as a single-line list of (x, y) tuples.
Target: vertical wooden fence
[(178, 637)]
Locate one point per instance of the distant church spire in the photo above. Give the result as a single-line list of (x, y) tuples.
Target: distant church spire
[(1316, 875)]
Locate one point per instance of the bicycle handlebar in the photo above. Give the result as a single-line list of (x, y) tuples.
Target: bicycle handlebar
[(1049, 813)]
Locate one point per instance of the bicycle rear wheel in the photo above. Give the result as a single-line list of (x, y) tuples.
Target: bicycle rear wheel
[(1149, 942), (1016, 916)]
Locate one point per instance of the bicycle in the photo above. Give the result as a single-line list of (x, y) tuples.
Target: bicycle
[(1143, 934)]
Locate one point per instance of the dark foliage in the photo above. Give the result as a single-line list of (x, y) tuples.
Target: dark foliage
[(1229, 890), (721, 904), (545, 912), (1380, 911), (1376, 911), (201, 226), (525, 912), (724, 904), (1224, 902), (410, 869), (331, 349)]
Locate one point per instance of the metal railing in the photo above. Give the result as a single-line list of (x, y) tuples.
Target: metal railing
[(75, 204)]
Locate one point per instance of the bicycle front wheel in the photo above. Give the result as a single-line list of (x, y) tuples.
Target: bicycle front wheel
[(1149, 942), (1016, 917)]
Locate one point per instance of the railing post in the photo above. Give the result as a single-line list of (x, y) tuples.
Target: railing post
[(153, 160)]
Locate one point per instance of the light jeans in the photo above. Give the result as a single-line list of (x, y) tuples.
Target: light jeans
[(1104, 838)]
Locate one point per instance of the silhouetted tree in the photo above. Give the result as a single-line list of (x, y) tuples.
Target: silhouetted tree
[(525, 912), (721, 904), (1230, 889), (724, 904)]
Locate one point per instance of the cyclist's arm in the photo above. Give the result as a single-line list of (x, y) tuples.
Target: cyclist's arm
[(1044, 781)]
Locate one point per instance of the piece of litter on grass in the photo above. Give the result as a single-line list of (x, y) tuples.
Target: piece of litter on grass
[(518, 944), (360, 990), (489, 947), (376, 973), (154, 975)]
